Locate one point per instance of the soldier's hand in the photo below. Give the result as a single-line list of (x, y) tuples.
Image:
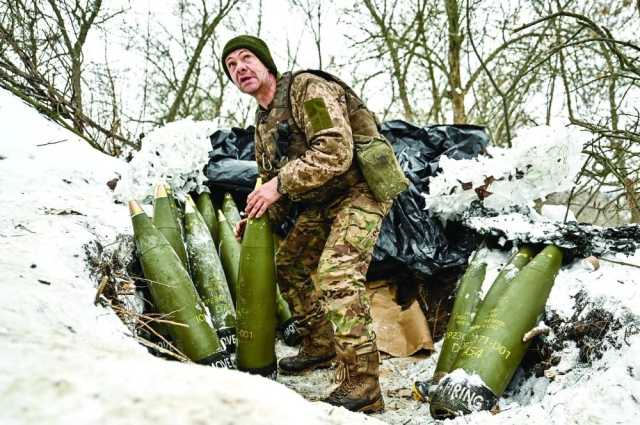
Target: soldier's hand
[(239, 230), (262, 198)]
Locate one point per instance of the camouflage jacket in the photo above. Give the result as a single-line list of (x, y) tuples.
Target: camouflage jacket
[(318, 118)]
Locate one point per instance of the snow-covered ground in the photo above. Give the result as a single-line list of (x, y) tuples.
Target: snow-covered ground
[(65, 360)]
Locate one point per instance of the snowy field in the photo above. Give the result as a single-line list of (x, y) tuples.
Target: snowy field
[(65, 360)]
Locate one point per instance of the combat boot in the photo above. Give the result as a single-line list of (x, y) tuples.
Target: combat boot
[(316, 352), (357, 376)]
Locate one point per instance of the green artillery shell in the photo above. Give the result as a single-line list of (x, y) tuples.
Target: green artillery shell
[(494, 348), (464, 308), (176, 209), (165, 220), (256, 300), (174, 202), (208, 275), (174, 295), (229, 253), (283, 313), (206, 208), (230, 210), (502, 281)]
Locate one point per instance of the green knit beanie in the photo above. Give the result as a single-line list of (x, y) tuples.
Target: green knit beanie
[(255, 46)]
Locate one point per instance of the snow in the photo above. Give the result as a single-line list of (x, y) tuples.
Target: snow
[(616, 287), (174, 153), (542, 160), (65, 360), (517, 226), (460, 376)]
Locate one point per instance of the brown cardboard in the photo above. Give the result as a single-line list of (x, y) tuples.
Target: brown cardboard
[(399, 332)]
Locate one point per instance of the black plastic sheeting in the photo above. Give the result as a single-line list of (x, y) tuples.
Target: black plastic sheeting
[(411, 236), (232, 162)]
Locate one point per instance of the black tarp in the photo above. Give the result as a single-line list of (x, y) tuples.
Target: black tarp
[(410, 235)]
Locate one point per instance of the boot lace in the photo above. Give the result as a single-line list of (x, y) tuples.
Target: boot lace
[(342, 374), (346, 385)]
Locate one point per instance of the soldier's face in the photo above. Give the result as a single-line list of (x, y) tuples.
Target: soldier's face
[(246, 70)]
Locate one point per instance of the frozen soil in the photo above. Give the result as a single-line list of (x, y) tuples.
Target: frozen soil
[(396, 376)]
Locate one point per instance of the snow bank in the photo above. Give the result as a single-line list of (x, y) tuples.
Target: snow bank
[(66, 361)]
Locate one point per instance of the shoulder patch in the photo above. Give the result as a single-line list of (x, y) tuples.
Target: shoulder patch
[(317, 114)]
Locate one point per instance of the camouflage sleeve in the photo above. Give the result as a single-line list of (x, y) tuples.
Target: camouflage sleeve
[(319, 108)]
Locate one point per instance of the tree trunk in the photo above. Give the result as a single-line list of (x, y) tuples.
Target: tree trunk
[(455, 45), (393, 50)]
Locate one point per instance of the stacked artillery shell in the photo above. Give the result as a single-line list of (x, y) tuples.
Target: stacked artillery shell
[(464, 308), (256, 300), (502, 282), (174, 295), (230, 210), (167, 221), (208, 212), (208, 276), (177, 211), (494, 346), (229, 254)]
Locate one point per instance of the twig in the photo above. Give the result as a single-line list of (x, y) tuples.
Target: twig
[(622, 263), (53, 143), (150, 344), (101, 286), (178, 354), (573, 188), (540, 329), (23, 227), (149, 318), (502, 95)]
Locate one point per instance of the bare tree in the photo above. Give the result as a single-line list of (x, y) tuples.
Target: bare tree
[(42, 62), (595, 65), (182, 77), (426, 67), (312, 10), (387, 41)]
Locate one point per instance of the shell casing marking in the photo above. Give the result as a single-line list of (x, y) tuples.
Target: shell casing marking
[(207, 270), (464, 308)]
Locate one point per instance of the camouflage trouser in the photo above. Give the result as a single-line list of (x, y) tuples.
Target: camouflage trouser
[(323, 261)]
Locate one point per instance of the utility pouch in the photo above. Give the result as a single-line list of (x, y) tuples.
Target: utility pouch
[(380, 167)]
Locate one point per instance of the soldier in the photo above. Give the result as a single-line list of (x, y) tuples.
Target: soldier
[(306, 123)]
